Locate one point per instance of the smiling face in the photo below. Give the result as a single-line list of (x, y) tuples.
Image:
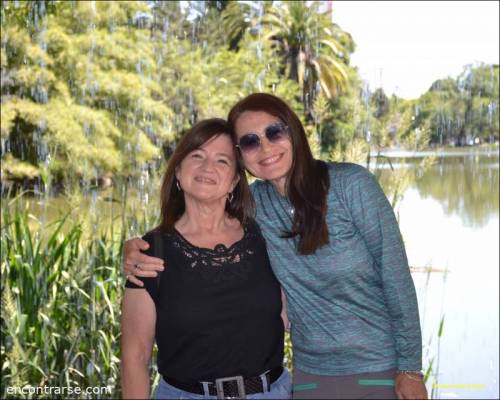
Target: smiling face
[(271, 161), (208, 173)]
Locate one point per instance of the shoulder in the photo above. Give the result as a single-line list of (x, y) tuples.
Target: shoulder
[(352, 182), (347, 170), (252, 227), (345, 174), (157, 241), (152, 236)]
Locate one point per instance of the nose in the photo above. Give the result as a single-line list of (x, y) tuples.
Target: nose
[(208, 164), (265, 144)]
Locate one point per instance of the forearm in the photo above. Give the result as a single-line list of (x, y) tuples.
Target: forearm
[(402, 305), (135, 378), (138, 322)]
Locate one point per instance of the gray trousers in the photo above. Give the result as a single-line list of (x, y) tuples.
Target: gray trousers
[(369, 385)]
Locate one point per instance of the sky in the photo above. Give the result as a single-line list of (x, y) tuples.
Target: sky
[(404, 46)]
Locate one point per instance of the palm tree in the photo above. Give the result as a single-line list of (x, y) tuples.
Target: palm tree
[(314, 50), (240, 17)]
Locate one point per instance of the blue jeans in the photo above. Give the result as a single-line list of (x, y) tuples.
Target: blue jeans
[(280, 389)]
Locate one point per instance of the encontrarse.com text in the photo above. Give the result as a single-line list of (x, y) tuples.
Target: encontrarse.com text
[(59, 390)]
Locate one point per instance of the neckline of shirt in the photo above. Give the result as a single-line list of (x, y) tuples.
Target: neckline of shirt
[(282, 200), (218, 248)]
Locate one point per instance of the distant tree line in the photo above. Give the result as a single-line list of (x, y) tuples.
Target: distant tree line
[(102, 89)]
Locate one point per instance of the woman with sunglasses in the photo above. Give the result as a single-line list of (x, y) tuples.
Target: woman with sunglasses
[(335, 247)]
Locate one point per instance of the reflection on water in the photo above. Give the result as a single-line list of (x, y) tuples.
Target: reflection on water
[(449, 218), (464, 183), (128, 209)]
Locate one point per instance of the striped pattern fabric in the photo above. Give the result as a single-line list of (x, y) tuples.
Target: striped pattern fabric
[(352, 304)]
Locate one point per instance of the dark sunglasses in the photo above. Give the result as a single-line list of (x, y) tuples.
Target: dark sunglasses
[(252, 141)]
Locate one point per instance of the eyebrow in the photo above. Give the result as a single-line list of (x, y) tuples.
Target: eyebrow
[(223, 154), (278, 122), (217, 154)]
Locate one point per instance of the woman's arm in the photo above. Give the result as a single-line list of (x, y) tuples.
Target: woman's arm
[(377, 224), (138, 334), (375, 220)]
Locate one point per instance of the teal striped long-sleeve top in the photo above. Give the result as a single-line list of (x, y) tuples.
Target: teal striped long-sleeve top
[(352, 304)]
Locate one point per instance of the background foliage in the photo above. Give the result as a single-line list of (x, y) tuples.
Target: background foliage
[(96, 89)]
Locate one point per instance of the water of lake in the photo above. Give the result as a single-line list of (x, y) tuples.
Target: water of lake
[(449, 218)]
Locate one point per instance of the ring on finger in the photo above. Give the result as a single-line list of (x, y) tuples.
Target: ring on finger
[(137, 266)]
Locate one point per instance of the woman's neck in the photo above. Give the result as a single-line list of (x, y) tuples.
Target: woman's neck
[(203, 218), (280, 184)]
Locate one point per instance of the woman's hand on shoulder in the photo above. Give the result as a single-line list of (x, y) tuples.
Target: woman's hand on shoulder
[(136, 263)]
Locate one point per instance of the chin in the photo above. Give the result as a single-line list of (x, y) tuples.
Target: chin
[(271, 175)]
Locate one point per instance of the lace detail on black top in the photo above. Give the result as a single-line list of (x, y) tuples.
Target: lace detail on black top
[(221, 263)]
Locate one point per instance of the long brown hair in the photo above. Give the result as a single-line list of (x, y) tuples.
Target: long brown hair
[(308, 180), (172, 199)]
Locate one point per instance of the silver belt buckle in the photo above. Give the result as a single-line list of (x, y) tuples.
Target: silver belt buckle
[(219, 385)]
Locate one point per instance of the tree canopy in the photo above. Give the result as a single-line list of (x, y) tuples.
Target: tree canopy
[(92, 89)]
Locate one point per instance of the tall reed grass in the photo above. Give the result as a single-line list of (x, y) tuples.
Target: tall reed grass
[(60, 306)]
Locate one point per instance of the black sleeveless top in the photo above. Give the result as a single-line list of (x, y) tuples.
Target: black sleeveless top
[(217, 310)]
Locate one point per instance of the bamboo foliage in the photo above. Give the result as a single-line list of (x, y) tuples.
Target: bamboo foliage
[(60, 302)]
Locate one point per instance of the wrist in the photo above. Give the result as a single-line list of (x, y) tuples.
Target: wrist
[(415, 375)]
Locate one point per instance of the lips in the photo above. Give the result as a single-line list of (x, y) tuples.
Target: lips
[(204, 179), (271, 160)]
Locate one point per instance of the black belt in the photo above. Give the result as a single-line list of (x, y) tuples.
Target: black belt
[(233, 386)]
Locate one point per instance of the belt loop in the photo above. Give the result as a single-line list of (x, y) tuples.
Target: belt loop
[(206, 389), (265, 381)]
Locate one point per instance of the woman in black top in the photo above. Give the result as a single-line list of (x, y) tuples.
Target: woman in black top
[(215, 312)]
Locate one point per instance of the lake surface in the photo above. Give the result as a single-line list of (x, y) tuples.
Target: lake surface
[(449, 218)]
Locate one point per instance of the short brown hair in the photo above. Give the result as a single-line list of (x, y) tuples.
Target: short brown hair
[(308, 181), (172, 199)]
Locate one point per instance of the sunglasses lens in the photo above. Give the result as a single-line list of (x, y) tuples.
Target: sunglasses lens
[(275, 132), (249, 142)]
